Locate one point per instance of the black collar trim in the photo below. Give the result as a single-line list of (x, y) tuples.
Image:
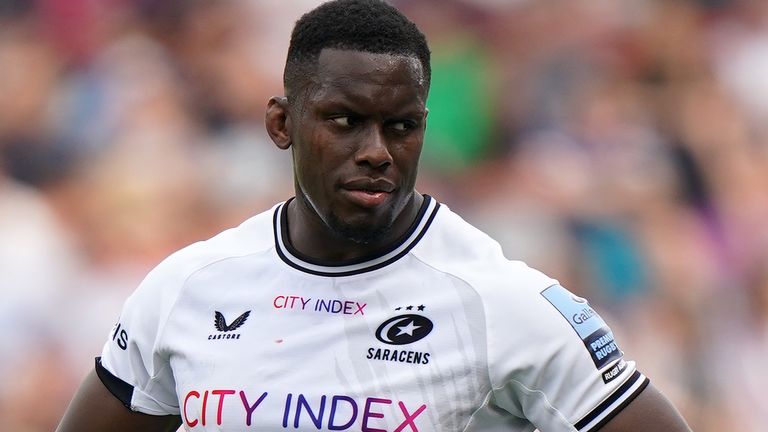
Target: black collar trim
[(301, 262)]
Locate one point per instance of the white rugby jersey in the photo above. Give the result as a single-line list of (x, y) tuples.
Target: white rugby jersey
[(438, 333)]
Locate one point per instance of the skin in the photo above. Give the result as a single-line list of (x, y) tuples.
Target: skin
[(360, 122), (651, 411), (95, 409)]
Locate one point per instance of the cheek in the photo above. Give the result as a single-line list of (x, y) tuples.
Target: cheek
[(408, 157), (308, 170), (314, 161)]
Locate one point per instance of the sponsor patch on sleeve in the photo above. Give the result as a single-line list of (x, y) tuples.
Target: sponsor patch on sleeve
[(592, 330), (614, 370)]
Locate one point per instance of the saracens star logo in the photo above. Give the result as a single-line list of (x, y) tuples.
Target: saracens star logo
[(404, 329)]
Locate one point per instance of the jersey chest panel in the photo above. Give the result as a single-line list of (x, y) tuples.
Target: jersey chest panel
[(401, 348)]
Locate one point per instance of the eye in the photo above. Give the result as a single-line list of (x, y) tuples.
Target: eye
[(344, 121), (402, 125)]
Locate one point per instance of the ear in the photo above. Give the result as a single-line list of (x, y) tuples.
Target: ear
[(278, 122)]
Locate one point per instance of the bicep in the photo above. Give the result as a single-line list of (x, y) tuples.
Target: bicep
[(649, 411), (94, 408)]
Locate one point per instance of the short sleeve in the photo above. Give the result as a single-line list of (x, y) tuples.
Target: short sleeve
[(134, 365), (559, 366)]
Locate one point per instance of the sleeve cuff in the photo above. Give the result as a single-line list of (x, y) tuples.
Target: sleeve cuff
[(616, 402), (119, 388)]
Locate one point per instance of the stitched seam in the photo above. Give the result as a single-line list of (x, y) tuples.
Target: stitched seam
[(543, 396), (485, 403), (487, 363), (482, 304), (184, 284)]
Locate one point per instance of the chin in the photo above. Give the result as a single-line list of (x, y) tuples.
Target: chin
[(361, 233)]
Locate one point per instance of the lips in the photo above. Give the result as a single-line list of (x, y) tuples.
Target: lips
[(366, 192)]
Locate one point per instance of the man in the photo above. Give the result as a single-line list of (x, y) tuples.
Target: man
[(360, 304)]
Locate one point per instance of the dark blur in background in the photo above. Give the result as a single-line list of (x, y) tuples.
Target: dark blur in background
[(620, 146)]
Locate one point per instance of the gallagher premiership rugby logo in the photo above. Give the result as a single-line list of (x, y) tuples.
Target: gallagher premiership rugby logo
[(593, 331), (402, 330)]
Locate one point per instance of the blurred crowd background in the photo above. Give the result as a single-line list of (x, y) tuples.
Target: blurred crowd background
[(620, 146)]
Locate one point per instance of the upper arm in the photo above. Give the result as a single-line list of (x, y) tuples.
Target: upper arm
[(649, 411), (132, 387), (561, 369), (135, 360), (95, 409)]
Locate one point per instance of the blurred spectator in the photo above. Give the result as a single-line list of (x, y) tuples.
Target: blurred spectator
[(618, 145), (463, 75)]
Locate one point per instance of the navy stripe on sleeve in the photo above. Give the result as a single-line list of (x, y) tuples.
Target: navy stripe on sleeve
[(119, 388), (608, 409)]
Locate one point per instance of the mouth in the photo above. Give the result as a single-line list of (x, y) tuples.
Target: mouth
[(368, 193)]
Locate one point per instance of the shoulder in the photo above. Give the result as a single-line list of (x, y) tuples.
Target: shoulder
[(254, 235), (454, 246), (547, 350), (512, 294), (164, 282)]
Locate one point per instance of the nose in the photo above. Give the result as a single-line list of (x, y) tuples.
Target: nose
[(373, 149)]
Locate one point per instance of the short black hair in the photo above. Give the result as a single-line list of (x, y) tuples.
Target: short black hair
[(359, 25)]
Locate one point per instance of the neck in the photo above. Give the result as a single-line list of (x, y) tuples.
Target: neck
[(312, 237)]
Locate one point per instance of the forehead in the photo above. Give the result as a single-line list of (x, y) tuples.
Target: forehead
[(347, 72)]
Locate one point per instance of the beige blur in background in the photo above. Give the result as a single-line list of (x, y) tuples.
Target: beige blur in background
[(620, 146)]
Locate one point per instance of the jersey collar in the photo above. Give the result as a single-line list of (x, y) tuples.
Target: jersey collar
[(301, 262)]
